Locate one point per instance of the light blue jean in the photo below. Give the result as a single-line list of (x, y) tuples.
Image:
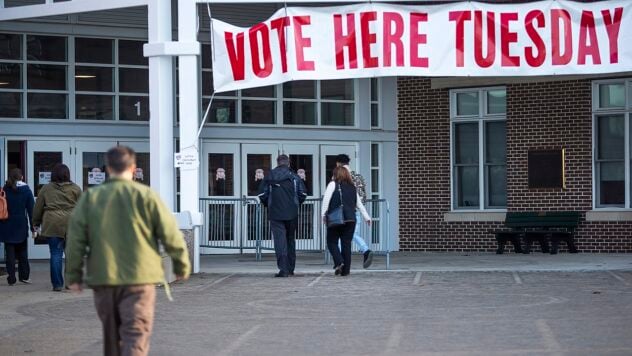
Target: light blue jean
[(357, 239)]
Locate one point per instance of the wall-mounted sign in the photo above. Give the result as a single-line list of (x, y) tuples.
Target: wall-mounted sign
[(44, 178)]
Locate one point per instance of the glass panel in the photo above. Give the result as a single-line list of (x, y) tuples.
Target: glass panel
[(258, 112), (46, 77), (611, 137), (375, 155), (134, 108), (336, 89), (261, 92), (496, 102), (374, 87), (131, 52), (43, 163), (207, 86), (94, 50), (337, 114), (10, 104), (10, 46), (10, 76), (94, 107), (375, 116), (299, 113), (142, 173), (611, 95), (497, 186), (220, 174), (303, 165), (206, 56), (222, 111), (467, 187), (46, 106), (467, 104), (257, 166), (375, 181), (46, 48), (330, 164), (133, 80), (612, 183), (93, 79), (93, 169), (495, 142), (466, 143), (301, 89)]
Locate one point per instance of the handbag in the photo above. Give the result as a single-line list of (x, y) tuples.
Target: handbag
[(335, 216)]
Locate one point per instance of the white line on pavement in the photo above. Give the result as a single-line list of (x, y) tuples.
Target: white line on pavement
[(311, 284), (621, 279), (417, 279), (394, 339), (549, 339), (235, 345), (207, 286), (517, 278)]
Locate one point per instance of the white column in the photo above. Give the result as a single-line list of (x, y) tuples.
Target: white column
[(161, 104), (189, 117)]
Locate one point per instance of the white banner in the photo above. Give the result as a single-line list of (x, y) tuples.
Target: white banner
[(457, 39)]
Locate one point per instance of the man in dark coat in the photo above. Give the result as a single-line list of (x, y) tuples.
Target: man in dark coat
[(282, 191)]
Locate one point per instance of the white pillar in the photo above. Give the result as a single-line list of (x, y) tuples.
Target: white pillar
[(161, 103), (189, 117)]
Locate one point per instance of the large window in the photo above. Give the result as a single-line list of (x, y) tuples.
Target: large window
[(612, 104), (479, 173)]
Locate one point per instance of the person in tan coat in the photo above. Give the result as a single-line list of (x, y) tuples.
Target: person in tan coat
[(52, 211)]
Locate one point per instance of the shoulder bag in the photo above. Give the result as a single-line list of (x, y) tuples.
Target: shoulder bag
[(335, 216)]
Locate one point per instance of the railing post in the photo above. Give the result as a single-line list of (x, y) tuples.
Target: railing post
[(388, 235)]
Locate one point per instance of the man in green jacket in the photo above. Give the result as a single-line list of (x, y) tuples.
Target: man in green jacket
[(122, 224)]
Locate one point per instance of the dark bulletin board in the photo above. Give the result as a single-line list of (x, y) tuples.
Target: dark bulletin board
[(546, 169)]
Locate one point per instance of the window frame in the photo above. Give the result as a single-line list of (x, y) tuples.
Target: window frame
[(481, 119), (626, 112)]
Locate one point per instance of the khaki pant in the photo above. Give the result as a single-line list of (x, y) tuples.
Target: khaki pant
[(127, 315)]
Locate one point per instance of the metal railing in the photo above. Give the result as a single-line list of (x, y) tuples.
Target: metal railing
[(242, 224)]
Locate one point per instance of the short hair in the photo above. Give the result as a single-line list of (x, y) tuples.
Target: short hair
[(283, 160), (60, 174), (120, 158), (343, 158)]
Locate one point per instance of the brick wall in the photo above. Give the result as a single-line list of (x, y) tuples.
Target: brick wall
[(542, 115)]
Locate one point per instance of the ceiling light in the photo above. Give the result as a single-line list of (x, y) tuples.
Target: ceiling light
[(85, 76), (4, 83)]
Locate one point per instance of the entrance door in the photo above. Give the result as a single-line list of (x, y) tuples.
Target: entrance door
[(91, 163), (328, 155), (143, 169), (257, 160), (42, 156), (220, 192), (304, 161)]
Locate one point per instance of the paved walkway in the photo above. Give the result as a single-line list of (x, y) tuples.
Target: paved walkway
[(434, 304)]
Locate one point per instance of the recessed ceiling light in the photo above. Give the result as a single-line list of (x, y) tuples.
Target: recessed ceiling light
[(85, 76), (4, 83)]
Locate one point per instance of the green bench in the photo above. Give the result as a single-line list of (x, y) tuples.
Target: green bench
[(553, 226)]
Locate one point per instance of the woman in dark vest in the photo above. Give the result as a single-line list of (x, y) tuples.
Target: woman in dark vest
[(342, 191), (14, 231)]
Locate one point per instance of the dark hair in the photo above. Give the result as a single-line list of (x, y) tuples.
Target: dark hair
[(283, 160), (120, 158), (60, 174), (343, 158), (342, 175), (15, 175)]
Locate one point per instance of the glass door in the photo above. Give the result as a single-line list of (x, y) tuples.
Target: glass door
[(42, 156), (143, 169), (328, 155), (220, 193), (256, 162), (304, 161), (2, 180), (90, 163)]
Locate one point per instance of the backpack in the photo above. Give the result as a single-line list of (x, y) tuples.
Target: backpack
[(4, 209)]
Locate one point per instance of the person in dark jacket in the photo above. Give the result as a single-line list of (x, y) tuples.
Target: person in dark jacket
[(53, 208), (282, 191), (342, 191), (14, 231)]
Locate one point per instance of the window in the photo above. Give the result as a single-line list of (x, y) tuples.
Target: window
[(337, 102), (94, 79), (224, 107), (375, 107), (375, 192), (11, 67), (133, 81), (299, 103), (611, 135), (46, 77), (479, 172)]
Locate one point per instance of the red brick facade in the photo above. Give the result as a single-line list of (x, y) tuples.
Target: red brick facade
[(541, 115)]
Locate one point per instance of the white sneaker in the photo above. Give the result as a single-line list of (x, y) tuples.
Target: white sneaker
[(26, 281)]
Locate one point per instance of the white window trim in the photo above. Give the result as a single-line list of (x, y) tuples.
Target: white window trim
[(480, 119), (626, 111)]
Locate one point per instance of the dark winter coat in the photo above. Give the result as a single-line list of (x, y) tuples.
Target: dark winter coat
[(282, 191), (20, 205)]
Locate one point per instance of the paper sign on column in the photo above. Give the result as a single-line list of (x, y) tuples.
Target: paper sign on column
[(44, 177), (95, 178), (187, 159)]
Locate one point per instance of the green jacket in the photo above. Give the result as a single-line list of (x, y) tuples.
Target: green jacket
[(53, 207), (117, 226)]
